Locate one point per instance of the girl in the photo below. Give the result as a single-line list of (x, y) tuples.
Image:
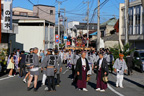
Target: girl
[(11, 65)]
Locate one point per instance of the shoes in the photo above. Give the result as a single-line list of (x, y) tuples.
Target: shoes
[(102, 90), (58, 85), (35, 89), (98, 89), (121, 87), (46, 89), (116, 86), (84, 89), (10, 76), (43, 84), (49, 90), (28, 89), (24, 80)]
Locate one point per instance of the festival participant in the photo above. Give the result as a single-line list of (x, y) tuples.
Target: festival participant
[(65, 57), (34, 71), (28, 61), (69, 59), (82, 67), (90, 62), (110, 59), (22, 64), (120, 67), (11, 65), (51, 67), (102, 70), (59, 66), (44, 69), (75, 58)]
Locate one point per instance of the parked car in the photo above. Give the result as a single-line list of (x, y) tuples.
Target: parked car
[(139, 59)]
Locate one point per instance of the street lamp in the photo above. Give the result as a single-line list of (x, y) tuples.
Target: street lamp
[(142, 3)]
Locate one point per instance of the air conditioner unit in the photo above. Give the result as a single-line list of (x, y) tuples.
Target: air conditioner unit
[(142, 3)]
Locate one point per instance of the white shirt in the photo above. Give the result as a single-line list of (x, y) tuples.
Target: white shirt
[(100, 63), (83, 62)]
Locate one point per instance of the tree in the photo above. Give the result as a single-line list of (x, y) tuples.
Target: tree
[(126, 50)]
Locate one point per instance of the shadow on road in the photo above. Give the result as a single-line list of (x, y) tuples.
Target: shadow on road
[(92, 85), (131, 81), (39, 84)]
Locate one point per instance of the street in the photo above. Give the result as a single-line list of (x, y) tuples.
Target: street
[(133, 86)]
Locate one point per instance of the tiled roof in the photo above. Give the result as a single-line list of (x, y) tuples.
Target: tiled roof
[(110, 22)]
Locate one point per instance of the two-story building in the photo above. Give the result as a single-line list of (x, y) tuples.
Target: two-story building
[(136, 24)]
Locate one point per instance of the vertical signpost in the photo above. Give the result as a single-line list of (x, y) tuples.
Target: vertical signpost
[(57, 39), (7, 21)]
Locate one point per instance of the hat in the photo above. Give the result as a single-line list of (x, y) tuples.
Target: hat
[(50, 50), (121, 55), (31, 49)]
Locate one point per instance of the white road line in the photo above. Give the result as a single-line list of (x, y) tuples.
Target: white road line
[(5, 78), (65, 71), (114, 91)]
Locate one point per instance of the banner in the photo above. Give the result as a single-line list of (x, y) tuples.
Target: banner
[(7, 6)]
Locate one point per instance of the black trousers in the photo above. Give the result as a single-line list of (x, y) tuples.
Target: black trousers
[(73, 71), (64, 61), (58, 79), (111, 67), (22, 69), (51, 82), (129, 70)]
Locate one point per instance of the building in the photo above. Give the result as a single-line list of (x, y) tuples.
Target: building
[(7, 33), (33, 30), (136, 24), (107, 27), (34, 33), (44, 12)]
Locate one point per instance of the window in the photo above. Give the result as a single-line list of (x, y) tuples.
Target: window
[(136, 54), (130, 20), (23, 13), (51, 12), (137, 20)]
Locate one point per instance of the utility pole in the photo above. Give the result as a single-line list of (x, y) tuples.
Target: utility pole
[(87, 19), (98, 27), (59, 3), (126, 21), (66, 33), (59, 21)]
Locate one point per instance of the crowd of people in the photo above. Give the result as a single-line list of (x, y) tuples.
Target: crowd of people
[(83, 64)]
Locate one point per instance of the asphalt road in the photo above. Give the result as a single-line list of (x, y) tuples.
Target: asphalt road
[(133, 86)]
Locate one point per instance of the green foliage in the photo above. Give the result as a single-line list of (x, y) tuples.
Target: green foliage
[(61, 45), (3, 54), (126, 50)]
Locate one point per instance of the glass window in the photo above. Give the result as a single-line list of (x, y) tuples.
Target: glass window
[(23, 13), (51, 12)]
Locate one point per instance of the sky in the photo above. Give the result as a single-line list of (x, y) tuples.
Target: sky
[(76, 9)]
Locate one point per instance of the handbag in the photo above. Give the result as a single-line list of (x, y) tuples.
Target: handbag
[(105, 79)]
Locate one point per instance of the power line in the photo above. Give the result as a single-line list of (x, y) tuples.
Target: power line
[(103, 3)]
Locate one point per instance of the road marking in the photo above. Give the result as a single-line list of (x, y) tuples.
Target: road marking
[(65, 71), (5, 78), (114, 91)]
